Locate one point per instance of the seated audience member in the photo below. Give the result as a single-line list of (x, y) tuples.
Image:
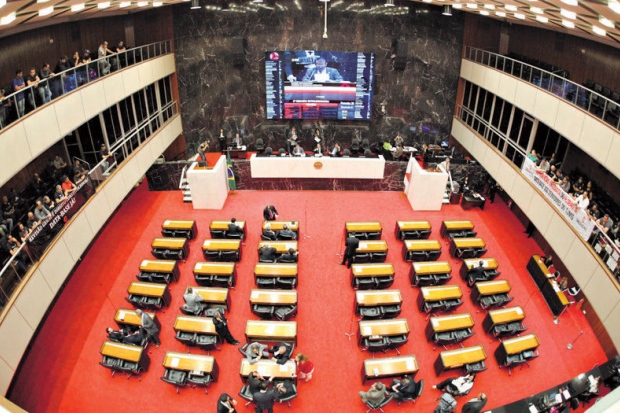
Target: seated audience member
[(8, 214), (254, 381), (335, 150), (305, 368), (605, 223), (398, 152), (226, 404), (48, 203), (375, 395), (59, 163), (551, 171), (476, 404), (237, 141), (544, 165), (74, 61), (255, 352), (67, 186), (285, 388), (287, 232), (267, 254), (269, 233), (583, 200), (458, 386), (40, 212), (265, 398), (594, 213), (59, 195), (565, 185), (289, 256), (79, 173), (317, 149), (579, 186), (106, 155), (13, 249), (117, 335), (24, 232), (281, 353), (136, 338), (37, 184), (447, 404), (387, 146), (399, 141), (547, 260), (298, 151), (270, 213), (233, 228), (558, 177), (194, 303), (32, 222), (532, 156), (403, 389)]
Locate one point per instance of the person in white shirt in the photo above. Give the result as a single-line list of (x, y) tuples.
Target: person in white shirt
[(583, 200), (459, 386)]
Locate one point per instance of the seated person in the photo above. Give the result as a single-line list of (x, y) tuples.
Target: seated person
[(298, 150), (233, 228), (67, 186), (32, 222), (24, 232), (59, 195), (287, 233), (254, 381), (48, 203), (565, 185), (605, 223), (476, 404), (269, 233), (285, 388), (458, 386), (594, 213), (79, 173), (318, 150), (59, 163), (117, 335), (237, 141), (398, 153), (12, 246), (267, 254), (447, 404), (399, 141), (281, 353), (403, 389), (321, 73), (194, 303), (335, 150), (255, 352), (375, 395), (289, 256), (40, 212), (136, 338)]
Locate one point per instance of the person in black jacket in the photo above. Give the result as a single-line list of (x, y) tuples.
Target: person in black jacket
[(267, 254), (226, 404), (270, 213), (221, 326), (403, 389), (117, 336), (351, 245), (281, 353), (265, 398), (476, 404)]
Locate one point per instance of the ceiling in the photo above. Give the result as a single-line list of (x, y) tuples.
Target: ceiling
[(593, 19)]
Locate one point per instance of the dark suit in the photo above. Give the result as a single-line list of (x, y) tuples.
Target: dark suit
[(254, 384), (352, 243), (403, 391), (221, 327), (288, 257), (234, 229), (334, 75), (474, 406), (267, 233), (267, 254), (116, 336), (135, 339), (264, 401), (281, 358)]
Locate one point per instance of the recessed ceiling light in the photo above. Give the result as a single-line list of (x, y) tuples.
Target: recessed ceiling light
[(457, 6), (519, 16), (46, 11), (606, 22), (615, 6), (78, 7), (536, 10), (8, 19), (427, 1), (484, 12), (103, 5), (42, 1), (124, 4), (542, 19), (599, 31), (472, 6), (510, 7), (143, 3), (568, 24), (157, 4), (2, 3), (489, 6), (571, 2), (568, 14), (500, 13)]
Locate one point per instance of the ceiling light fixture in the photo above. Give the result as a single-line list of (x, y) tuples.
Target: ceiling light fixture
[(510, 7), (472, 6), (536, 10), (257, 1), (195, 5), (103, 5), (571, 2), (568, 24), (500, 14), (542, 19), (519, 16), (599, 31), (427, 1), (46, 11), (42, 1), (484, 12), (8, 19), (457, 6), (143, 3), (447, 10), (568, 14), (606, 22), (615, 6), (157, 4), (2, 3), (489, 6), (124, 4), (78, 7)]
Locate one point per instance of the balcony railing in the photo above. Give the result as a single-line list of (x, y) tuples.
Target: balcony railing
[(596, 104), (18, 104)]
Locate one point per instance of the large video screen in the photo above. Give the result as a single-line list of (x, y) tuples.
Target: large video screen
[(313, 84)]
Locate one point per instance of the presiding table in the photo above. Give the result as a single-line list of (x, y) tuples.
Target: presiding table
[(317, 167), (555, 298)]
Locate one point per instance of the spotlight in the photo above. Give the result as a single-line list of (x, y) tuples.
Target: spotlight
[(257, 1), (447, 10), (195, 4), (389, 3)]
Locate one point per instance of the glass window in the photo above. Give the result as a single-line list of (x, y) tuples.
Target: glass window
[(140, 105), (151, 99), (127, 114)]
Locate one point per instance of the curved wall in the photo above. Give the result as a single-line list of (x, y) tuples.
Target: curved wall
[(23, 141)]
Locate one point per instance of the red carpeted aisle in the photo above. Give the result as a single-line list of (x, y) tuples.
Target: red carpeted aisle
[(62, 372)]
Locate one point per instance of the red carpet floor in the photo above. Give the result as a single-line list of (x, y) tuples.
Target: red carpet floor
[(62, 372)]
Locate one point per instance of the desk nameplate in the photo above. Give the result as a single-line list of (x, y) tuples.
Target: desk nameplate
[(441, 292), (169, 243), (431, 267), (221, 245), (395, 327), (462, 356), (422, 245), (370, 298), (184, 225), (194, 324), (451, 322), (147, 289), (122, 351), (273, 297), (468, 243), (215, 268), (188, 362)]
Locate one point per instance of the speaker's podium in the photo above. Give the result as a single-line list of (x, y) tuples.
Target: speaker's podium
[(208, 184), (425, 187)]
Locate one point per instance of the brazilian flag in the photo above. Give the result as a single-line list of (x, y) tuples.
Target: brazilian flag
[(231, 174)]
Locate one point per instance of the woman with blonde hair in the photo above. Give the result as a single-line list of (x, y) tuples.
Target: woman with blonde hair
[(305, 367)]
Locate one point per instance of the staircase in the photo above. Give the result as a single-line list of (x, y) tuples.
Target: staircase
[(184, 187)]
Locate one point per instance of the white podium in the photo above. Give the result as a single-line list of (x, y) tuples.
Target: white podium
[(209, 187), (425, 189)]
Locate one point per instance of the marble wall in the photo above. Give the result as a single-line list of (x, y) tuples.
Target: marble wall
[(214, 92)]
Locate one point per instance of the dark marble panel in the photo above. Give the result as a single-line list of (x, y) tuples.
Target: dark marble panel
[(217, 92), (165, 177), (392, 180)]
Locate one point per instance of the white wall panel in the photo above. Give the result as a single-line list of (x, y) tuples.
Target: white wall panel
[(131, 175), (479, 148), (477, 75), (601, 293), (522, 192), (113, 88), (580, 261), (97, 212), (611, 325), (539, 212), (34, 299), (525, 98), (558, 234), (15, 334), (614, 155), (491, 80), (94, 100), (146, 74), (492, 161), (131, 80), (41, 130), (56, 264), (546, 107), (164, 66), (15, 151), (569, 121), (596, 139), (69, 112), (115, 191), (466, 67), (78, 235), (507, 88), (6, 375)]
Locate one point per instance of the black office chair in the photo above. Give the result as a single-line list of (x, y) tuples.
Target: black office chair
[(283, 313), (418, 392), (268, 151), (216, 233), (346, 153), (176, 378), (443, 339), (260, 145), (285, 237), (237, 235), (111, 363), (375, 343), (243, 349), (197, 312), (286, 283), (229, 256), (372, 406), (361, 258), (397, 341), (286, 261), (245, 394), (480, 252), (223, 281), (204, 280), (378, 257), (373, 235), (185, 337), (384, 282), (475, 367), (391, 311), (200, 380), (266, 282), (367, 283), (371, 313), (212, 255), (263, 311), (290, 397), (441, 279), (144, 277), (355, 146), (486, 302), (416, 256), (365, 145), (206, 342)]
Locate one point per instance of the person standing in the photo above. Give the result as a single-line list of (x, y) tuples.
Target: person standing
[(270, 213), (265, 398), (476, 404), (226, 404), (351, 245), (19, 84), (222, 139), (447, 404), (221, 326), (305, 367), (149, 326), (202, 149)]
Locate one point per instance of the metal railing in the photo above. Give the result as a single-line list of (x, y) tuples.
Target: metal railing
[(16, 267), (595, 103), (16, 105)]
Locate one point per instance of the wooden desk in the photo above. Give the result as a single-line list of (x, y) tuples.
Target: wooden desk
[(172, 244), (191, 362), (193, 324), (451, 359), (171, 227), (271, 331), (281, 247), (468, 263), (502, 316), (451, 226), (222, 245), (422, 228), (273, 297), (150, 290), (275, 270), (268, 369), (370, 270), (124, 317), (217, 296), (448, 323), (440, 269), (556, 299), (395, 327), (214, 268), (459, 244), (223, 226), (431, 246), (515, 346), (492, 287), (362, 229), (539, 271), (366, 247), (121, 351), (373, 298), (160, 267), (279, 225), (387, 367), (440, 292)]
